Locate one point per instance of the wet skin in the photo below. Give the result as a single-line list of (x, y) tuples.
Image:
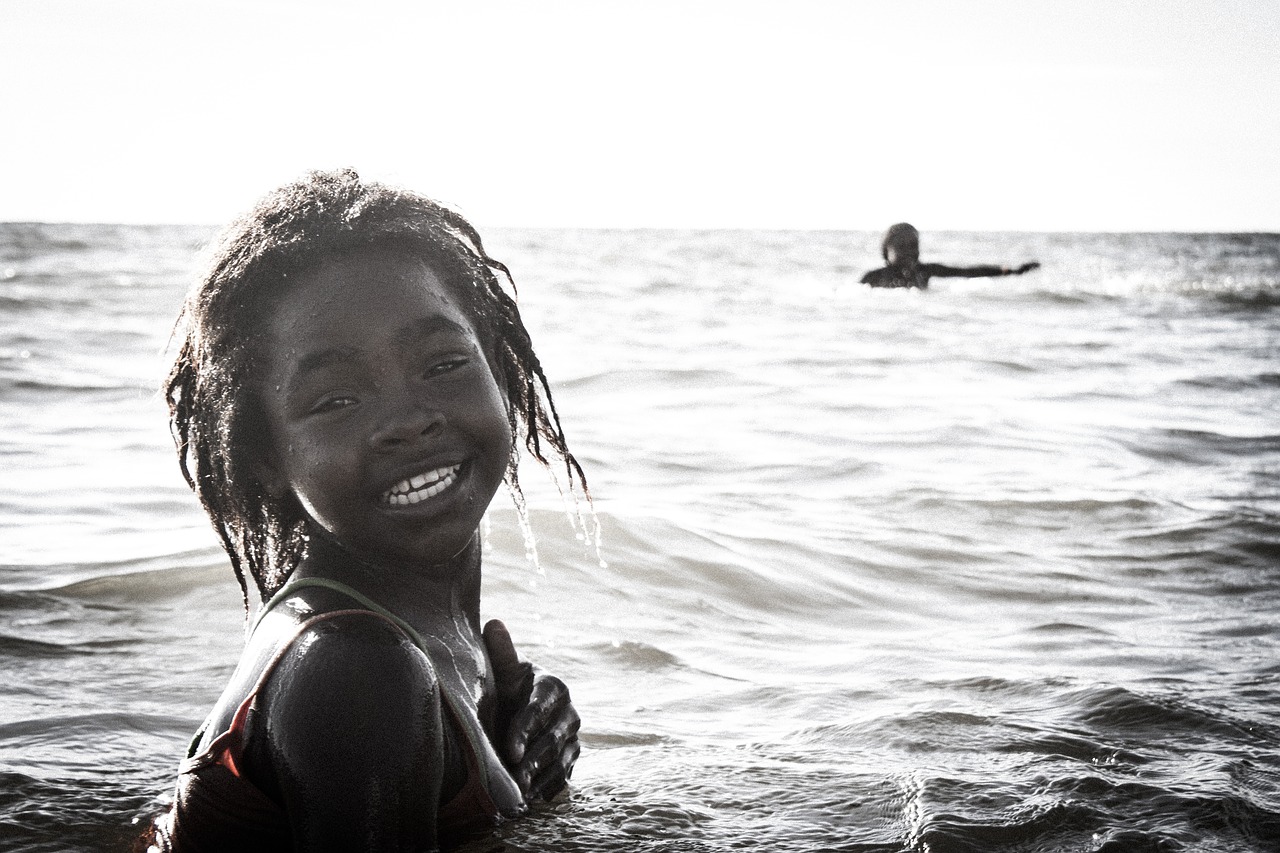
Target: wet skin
[(388, 426)]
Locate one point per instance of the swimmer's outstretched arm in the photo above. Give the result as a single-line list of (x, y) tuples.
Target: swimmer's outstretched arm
[(538, 725), (354, 740), (983, 271)]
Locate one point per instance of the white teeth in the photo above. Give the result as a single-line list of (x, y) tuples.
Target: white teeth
[(421, 486)]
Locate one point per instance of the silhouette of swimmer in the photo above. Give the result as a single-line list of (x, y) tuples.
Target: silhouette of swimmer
[(901, 250)]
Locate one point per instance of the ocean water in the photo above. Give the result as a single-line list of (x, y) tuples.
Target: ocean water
[(990, 567)]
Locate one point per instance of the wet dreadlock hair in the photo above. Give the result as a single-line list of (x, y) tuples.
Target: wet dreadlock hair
[(215, 413)]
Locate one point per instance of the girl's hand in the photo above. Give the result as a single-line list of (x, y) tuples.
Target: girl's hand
[(537, 723)]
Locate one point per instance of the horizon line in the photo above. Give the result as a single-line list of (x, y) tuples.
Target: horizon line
[(790, 228)]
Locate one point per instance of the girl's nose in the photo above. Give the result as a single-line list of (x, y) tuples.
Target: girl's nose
[(406, 425)]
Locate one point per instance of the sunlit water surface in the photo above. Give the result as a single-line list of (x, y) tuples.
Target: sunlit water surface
[(991, 567)]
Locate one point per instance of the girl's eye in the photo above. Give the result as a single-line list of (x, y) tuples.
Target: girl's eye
[(446, 365), (333, 404)]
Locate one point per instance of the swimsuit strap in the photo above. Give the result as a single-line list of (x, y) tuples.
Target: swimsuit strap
[(337, 586)]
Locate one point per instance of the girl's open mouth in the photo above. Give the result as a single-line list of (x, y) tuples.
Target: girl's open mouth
[(421, 486)]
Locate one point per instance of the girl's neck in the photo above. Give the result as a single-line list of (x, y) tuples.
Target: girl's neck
[(412, 591)]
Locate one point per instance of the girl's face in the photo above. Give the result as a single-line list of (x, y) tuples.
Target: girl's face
[(385, 419)]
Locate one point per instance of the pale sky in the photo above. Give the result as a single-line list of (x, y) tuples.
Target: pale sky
[(1007, 114)]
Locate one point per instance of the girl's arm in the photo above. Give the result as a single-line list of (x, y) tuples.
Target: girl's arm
[(353, 733), (983, 271), (537, 723)]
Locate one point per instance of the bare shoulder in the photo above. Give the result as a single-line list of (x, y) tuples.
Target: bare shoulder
[(351, 735), (351, 695), (336, 655), (349, 669)]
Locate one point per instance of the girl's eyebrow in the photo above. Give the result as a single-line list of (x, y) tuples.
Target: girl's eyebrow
[(319, 360), (426, 327)]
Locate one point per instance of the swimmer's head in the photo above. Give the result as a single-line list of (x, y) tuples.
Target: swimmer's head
[(216, 414), (901, 244)]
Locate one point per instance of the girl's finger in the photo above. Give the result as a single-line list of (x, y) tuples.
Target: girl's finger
[(547, 706), (546, 772)]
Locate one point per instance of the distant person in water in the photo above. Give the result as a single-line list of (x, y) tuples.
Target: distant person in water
[(901, 250)]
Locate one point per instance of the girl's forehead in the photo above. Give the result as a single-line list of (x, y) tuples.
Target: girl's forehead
[(372, 277), (364, 287), (373, 265)]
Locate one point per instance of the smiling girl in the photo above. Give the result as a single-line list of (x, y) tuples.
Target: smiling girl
[(353, 384)]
